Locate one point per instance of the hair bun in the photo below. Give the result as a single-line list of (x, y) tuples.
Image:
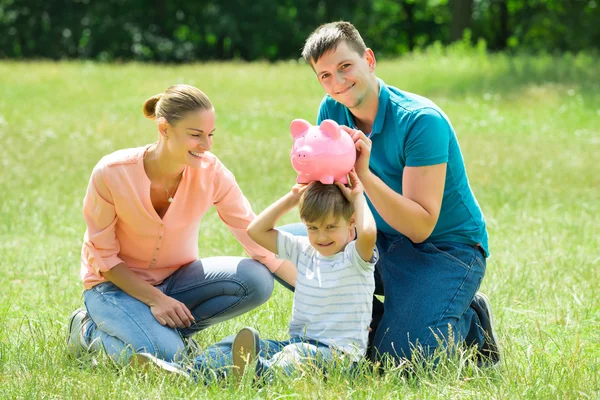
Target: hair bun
[(149, 108)]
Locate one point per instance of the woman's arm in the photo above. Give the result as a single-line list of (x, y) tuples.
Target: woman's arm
[(165, 309)]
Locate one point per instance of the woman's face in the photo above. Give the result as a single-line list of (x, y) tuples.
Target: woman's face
[(191, 136)]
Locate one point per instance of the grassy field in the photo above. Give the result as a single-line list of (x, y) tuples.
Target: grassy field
[(529, 128)]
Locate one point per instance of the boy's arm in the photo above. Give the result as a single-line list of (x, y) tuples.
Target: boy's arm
[(262, 228), (365, 228)]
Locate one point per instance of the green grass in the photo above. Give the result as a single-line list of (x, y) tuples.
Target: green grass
[(529, 128)]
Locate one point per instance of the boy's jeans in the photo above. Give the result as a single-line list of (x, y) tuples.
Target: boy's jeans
[(214, 289), (285, 356), (428, 290)]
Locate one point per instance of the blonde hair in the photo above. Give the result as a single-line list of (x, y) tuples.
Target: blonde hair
[(320, 200), (175, 102)]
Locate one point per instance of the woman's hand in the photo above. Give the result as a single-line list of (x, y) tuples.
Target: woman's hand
[(363, 150), (171, 312)]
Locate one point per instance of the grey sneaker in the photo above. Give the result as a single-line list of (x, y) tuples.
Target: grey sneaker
[(245, 349), (76, 343), (490, 351), (149, 359)]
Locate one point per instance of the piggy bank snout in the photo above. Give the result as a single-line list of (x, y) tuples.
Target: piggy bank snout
[(303, 154)]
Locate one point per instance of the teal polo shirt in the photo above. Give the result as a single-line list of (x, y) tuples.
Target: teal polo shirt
[(410, 130)]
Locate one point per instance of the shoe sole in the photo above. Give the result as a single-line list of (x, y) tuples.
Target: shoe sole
[(488, 306), (143, 359), (244, 350)]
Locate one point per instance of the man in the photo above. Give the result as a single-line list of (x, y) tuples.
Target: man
[(432, 237)]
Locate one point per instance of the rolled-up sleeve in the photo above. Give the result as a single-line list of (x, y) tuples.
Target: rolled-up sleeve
[(101, 247), (236, 212)]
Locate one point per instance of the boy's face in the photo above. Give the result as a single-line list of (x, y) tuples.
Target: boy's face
[(345, 75), (330, 235)]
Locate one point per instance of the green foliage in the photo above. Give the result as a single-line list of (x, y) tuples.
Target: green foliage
[(529, 131), (173, 31)]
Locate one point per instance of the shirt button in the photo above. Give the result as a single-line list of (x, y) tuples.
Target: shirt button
[(158, 248), (162, 225), (160, 237)]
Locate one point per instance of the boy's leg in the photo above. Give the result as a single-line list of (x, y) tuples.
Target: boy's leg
[(428, 292), (216, 361), (294, 353)]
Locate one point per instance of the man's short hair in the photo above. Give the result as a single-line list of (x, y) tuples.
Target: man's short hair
[(321, 200), (328, 36)]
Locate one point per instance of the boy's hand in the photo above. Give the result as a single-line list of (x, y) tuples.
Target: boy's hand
[(355, 191), (298, 189)]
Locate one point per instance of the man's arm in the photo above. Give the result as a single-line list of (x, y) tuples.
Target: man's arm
[(413, 214)]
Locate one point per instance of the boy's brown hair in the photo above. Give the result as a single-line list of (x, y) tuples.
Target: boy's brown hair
[(319, 201), (328, 36)]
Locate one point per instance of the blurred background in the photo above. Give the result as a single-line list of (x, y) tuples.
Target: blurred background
[(184, 31)]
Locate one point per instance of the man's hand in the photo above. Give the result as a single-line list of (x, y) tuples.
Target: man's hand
[(174, 313), (363, 150)]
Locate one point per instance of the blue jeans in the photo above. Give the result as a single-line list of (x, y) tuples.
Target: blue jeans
[(285, 356), (428, 290), (214, 289)]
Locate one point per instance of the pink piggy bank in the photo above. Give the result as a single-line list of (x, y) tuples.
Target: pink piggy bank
[(322, 153)]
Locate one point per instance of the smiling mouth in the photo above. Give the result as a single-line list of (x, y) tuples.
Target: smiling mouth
[(345, 90), (325, 245), (197, 155)]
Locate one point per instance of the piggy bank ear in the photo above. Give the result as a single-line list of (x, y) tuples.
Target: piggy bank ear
[(298, 127), (331, 128)]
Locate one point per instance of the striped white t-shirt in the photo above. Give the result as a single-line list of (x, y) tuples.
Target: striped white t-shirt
[(333, 298)]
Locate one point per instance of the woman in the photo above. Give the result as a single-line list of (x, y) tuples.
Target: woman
[(145, 289)]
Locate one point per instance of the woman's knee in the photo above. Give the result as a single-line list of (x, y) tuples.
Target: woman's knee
[(256, 279)]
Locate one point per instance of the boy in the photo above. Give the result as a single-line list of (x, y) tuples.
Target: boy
[(334, 283)]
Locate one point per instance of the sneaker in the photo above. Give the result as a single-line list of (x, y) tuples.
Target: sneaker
[(143, 359), (245, 349), (76, 343), (191, 347), (490, 351)]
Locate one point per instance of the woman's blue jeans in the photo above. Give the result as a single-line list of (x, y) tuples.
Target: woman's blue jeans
[(214, 289), (428, 290)]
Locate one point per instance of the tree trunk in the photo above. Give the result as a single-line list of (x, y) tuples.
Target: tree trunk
[(502, 34), (462, 14)]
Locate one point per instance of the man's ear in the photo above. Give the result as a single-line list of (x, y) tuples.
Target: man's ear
[(371, 61)]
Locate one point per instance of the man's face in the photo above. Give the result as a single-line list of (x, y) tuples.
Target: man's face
[(346, 75)]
